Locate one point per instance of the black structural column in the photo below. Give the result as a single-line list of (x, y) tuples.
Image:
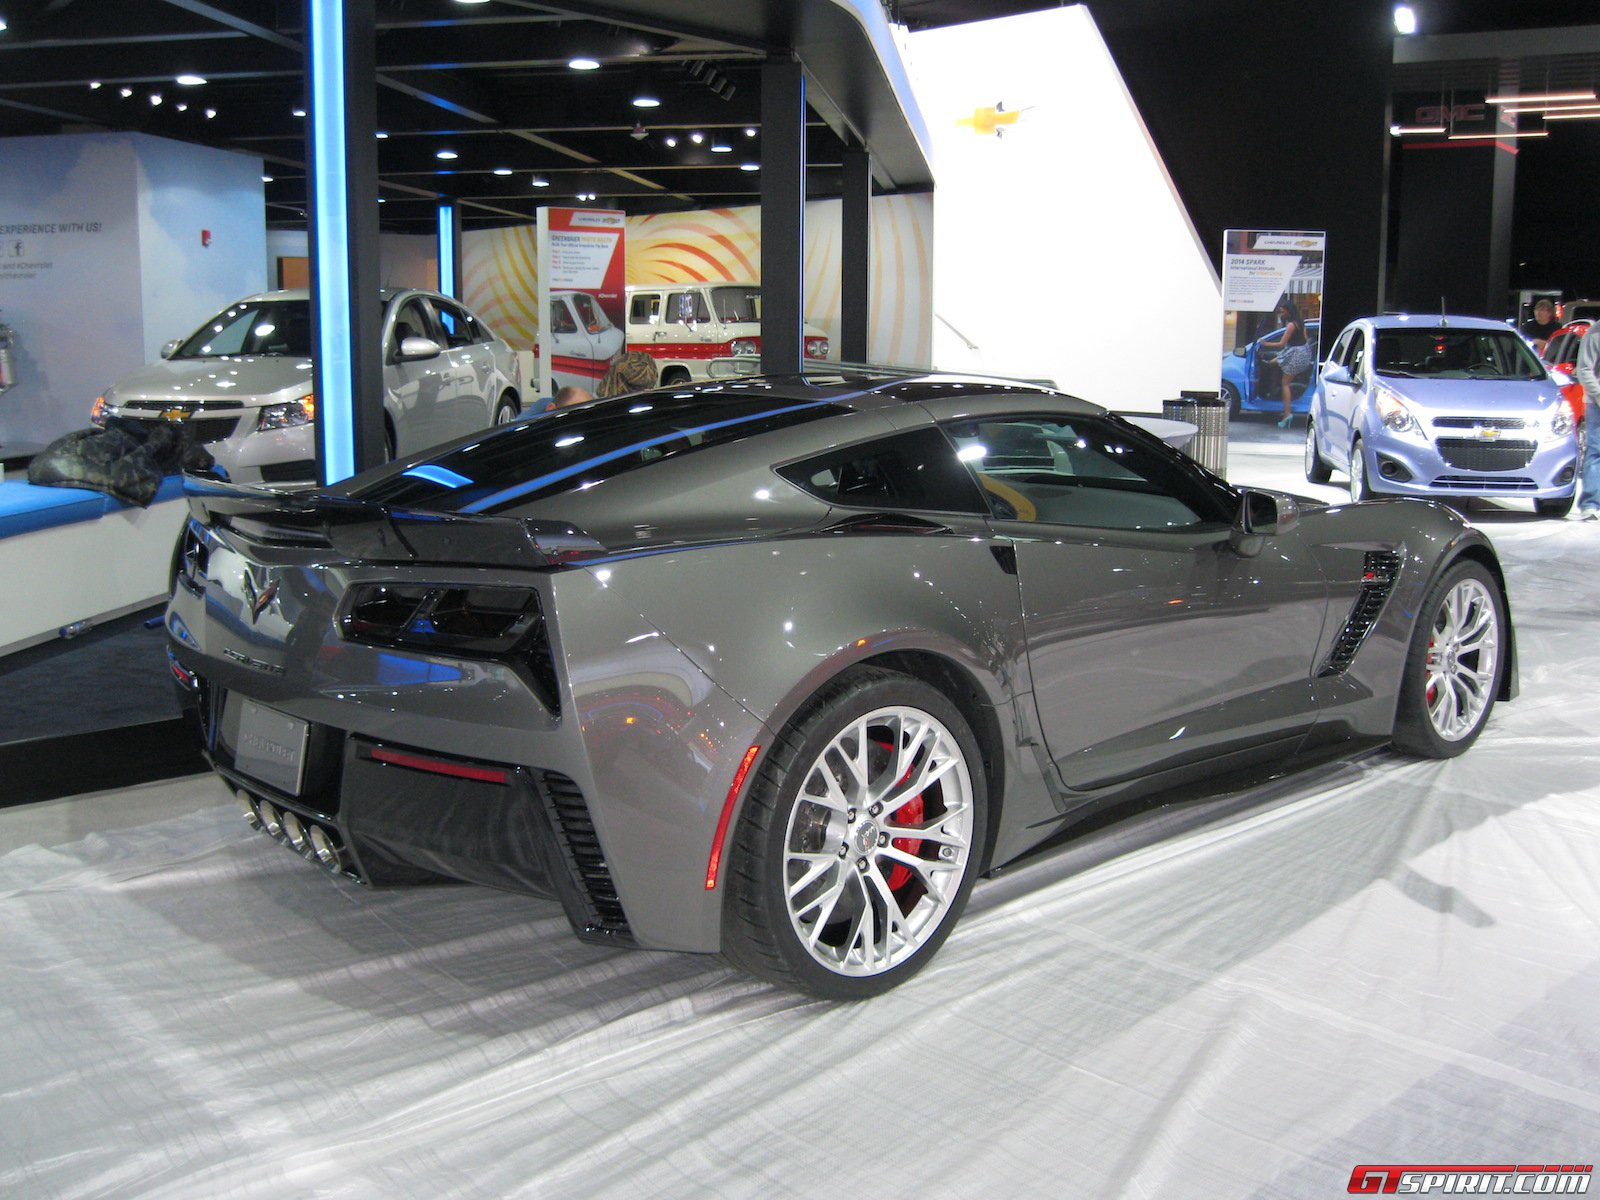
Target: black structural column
[(342, 215), (783, 211), (855, 258)]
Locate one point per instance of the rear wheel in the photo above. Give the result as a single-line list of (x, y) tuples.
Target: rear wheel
[(674, 376), (1454, 665), (1317, 469), (859, 843), (1359, 488)]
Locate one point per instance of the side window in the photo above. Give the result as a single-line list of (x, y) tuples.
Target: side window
[(1357, 358), (1339, 347), (687, 308), (1084, 471), (588, 311), (561, 317), (917, 470), (413, 320), (1561, 349), (645, 308), (458, 327)]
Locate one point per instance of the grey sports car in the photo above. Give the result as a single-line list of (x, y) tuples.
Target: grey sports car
[(778, 668)]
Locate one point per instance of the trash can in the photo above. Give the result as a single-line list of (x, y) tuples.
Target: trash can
[(1210, 445)]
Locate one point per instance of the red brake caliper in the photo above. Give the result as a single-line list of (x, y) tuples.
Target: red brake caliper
[(909, 813)]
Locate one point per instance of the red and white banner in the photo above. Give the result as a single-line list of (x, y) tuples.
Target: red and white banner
[(582, 271)]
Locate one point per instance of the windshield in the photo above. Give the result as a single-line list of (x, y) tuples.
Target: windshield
[(1443, 353), (737, 303), (590, 313), (276, 328)]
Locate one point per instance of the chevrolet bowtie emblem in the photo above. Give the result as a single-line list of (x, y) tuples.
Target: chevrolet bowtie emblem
[(1488, 434), (258, 599), (177, 414)]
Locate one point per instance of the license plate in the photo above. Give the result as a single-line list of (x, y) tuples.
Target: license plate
[(271, 746)]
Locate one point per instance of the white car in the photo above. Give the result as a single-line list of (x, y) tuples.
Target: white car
[(700, 331), (582, 338), (241, 383)]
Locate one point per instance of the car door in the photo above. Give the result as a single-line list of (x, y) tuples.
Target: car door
[(415, 387), (1152, 643), (1341, 400), (572, 356), (470, 388)]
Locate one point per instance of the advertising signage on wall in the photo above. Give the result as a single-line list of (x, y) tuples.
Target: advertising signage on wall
[(582, 271), (1272, 286)]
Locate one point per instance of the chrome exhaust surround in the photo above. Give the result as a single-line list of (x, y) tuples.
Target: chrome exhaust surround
[(326, 850), (294, 831), (247, 809), (270, 820)]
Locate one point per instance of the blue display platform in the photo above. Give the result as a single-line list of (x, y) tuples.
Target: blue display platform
[(28, 508)]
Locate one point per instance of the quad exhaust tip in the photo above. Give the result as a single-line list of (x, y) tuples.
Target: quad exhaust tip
[(307, 837)]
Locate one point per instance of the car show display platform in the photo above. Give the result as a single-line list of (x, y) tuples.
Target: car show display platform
[(1375, 961)]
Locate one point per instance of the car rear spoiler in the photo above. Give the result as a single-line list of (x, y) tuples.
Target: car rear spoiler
[(360, 529)]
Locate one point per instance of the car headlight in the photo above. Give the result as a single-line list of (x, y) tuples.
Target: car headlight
[(743, 347), (1561, 422), (286, 416), (1396, 416), (97, 410), (816, 347)]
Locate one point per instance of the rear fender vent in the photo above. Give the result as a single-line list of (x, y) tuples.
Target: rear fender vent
[(1379, 570), (580, 846)]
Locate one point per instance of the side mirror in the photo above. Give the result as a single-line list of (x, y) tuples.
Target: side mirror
[(1333, 373), (171, 348), (1261, 515), (1239, 351), (416, 349)]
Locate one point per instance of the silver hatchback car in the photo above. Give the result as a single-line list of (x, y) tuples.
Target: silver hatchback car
[(241, 383)]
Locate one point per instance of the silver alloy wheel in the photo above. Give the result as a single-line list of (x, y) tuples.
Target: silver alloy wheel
[(1462, 660), (1311, 446), (878, 841), (1358, 472)]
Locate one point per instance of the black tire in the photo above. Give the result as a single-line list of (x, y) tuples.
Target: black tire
[(1317, 468), (1360, 489), (507, 410), (1558, 507), (1444, 683), (1230, 397), (779, 824), (389, 443), (674, 377)]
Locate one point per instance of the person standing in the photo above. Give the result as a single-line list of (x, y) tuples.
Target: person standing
[(1542, 324), (1588, 373), (1295, 354)]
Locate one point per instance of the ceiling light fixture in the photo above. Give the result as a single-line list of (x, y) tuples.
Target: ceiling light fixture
[(749, 131), (380, 135), (3, 25), (583, 64), (749, 166), (538, 181), (697, 137), (1541, 97), (190, 80), (670, 140), (1574, 114), (639, 132), (125, 92), (446, 155), (94, 85), (183, 108), (1403, 130), (1547, 109), (1495, 137), (721, 148), (155, 99), (1405, 19), (502, 170), (211, 114), (299, 112)]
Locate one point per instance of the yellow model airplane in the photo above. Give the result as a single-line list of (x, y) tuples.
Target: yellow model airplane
[(990, 120)]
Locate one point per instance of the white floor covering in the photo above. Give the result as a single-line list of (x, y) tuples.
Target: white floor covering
[(1379, 961)]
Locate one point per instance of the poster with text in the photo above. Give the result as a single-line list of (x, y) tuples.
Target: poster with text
[(581, 298), (1272, 285)]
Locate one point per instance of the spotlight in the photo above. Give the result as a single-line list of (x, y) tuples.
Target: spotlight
[(380, 135), (155, 99), (502, 170), (697, 137), (583, 64), (183, 108), (125, 92), (94, 85), (750, 131), (446, 155), (267, 178), (211, 114), (299, 112), (749, 166), (670, 140), (190, 80), (721, 148), (1405, 19), (538, 181)]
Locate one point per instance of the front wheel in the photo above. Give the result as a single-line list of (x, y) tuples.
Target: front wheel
[(1454, 665), (860, 840), (1230, 397), (1558, 507), (1359, 488), (506, 411), (1317, 468)]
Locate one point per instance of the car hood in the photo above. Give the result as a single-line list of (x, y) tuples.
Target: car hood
[(250, 380), (1475, 397)]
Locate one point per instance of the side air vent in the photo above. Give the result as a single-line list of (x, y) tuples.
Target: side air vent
[(1378, 573), (569, 814)]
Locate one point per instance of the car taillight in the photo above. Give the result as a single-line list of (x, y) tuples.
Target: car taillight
[(746, 347), (482, 620), (816, 347)]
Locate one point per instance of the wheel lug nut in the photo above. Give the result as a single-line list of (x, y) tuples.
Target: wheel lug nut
[(876, 809), (850, 817), (844, 850), (883, 839), (861, 864)]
